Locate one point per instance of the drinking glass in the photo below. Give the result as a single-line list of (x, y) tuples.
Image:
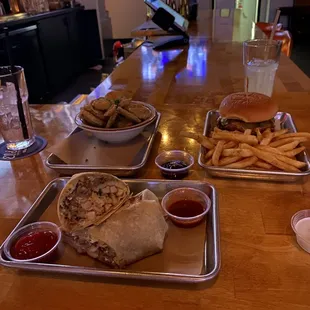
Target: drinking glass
[(261, 61), (15, 137)]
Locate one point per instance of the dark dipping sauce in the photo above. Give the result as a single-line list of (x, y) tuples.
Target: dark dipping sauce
[(174, 164), (186, 209), (33, 244)]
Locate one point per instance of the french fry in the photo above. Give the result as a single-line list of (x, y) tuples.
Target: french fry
[(280, 142), (209, 154), (238, 137), (217, 153), (204, 141), (209, 162), (296, 163), (266, 141), (243, 163), (294, 134), (280, 132), (267, 137), (229, 145), (270, 149), (270, 158), (213, 141), (266, 132), (258, 135), (295, 152), (267, 150), (229, 160), (288, 147), (237, 152), (262, 164)]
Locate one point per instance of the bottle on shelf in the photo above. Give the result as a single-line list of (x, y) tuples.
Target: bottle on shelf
[(174, 5), (178, 6), (186, 9), (182, 8)]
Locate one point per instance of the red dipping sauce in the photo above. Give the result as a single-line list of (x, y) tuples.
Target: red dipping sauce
[(33, 244), (186, 208)]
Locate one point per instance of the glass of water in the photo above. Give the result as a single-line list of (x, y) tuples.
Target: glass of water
[(15, 137), (261, 61)]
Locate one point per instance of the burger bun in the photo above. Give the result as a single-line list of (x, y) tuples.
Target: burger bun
[(248, 107)]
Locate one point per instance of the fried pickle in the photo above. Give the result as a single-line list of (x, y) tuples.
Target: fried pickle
[(91, 119), (128, 115)]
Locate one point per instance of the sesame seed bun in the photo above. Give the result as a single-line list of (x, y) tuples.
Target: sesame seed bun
[(248, 107)]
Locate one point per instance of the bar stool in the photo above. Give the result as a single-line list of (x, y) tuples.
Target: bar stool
[(286, 39), (267, 27)]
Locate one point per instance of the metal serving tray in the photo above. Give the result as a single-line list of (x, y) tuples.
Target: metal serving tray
[(138, 161), (286, 121), (189, 255)]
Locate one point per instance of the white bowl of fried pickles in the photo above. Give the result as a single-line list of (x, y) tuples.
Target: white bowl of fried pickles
[(115, 118)]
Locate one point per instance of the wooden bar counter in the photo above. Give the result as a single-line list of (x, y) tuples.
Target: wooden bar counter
[(262, 266)]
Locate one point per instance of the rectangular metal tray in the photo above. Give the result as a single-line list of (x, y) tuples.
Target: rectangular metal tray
[(58, 165), (189, 255), (286, 121)]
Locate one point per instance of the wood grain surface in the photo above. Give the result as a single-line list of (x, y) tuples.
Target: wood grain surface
[(262, 266)]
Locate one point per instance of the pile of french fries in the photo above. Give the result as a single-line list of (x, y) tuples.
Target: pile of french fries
[(268, 150)]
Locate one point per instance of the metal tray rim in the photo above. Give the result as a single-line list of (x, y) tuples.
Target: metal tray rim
[(250, 171), (108, 168), (90, 271)]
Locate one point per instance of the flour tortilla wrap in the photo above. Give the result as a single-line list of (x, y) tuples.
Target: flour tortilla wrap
[(144, 195), (90, 198), (127, 236)]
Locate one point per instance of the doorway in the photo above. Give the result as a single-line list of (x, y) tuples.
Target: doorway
[(249, 8)]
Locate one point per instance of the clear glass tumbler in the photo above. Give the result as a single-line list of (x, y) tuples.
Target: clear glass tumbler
[(261, 61), (15, 137)]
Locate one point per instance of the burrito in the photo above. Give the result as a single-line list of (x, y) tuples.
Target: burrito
[(131, 234), (144, 195), (90, 198)]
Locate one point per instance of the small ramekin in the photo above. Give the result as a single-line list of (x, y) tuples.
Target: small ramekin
[(37, 226), (186, 193), (167, 156), (300, 215)]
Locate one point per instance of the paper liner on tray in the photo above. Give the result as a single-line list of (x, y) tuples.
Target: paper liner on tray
[(82, 148)]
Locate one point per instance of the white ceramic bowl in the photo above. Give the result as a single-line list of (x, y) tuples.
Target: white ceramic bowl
[(118, 135)]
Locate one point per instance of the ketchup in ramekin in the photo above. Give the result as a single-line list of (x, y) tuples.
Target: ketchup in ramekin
[(33, 244)]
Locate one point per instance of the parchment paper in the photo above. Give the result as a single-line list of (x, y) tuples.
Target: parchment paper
[(82, 148)]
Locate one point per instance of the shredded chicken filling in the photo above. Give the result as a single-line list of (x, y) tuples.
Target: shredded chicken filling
[(94, 249), (92, 197)]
